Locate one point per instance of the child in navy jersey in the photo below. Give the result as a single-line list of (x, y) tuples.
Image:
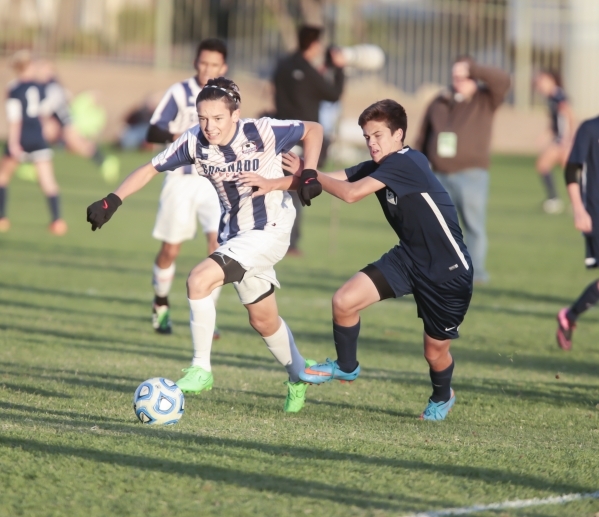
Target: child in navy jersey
[(26, 140), (431, 261)]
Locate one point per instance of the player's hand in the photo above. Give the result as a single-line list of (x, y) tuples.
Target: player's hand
[(309, 186), (292, 163), (583, 221), (259, 183), (101, 211)]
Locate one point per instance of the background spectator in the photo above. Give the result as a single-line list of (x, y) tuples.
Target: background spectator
[(456, 136)]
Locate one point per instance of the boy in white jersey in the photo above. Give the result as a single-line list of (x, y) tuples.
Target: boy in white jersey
[(185, 197), (254, 231)]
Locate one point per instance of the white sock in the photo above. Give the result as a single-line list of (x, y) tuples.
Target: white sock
[(282, 346), (202, 318), (162, 279), (216, 293)]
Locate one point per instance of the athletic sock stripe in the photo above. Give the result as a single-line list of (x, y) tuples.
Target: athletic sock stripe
[(446, 229)]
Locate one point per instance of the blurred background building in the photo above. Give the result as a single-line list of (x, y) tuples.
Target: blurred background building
[(126, 49)]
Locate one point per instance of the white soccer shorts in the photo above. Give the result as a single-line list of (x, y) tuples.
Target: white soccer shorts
[(186, 199), (257, 251)]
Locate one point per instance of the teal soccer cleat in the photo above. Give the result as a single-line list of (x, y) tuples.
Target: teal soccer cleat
[(438, 410), (327, 371)]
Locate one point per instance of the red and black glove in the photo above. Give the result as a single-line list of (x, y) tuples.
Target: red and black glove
[(309, 186), (101, 211)]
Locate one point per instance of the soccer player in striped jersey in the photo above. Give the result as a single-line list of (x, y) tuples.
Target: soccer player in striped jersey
[(185, 197), (431, 261), (26, 141), (254, 230)]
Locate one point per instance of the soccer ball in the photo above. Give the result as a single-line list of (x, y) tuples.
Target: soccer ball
[(158, 401)]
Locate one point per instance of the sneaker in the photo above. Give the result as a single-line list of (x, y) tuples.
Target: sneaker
[(4, 224), (195, 380), (565, 328), (110, 168), (327, 371), (438, 410), (161, 319), (296, 393), (216, 334), (58, 227), (553, 206)]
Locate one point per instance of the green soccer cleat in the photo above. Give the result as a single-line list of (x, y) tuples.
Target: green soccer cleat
[(195, 380), (110, 168), (161, 319), (296, 393)]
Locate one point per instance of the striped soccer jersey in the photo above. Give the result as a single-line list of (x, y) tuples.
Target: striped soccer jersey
[(256, 147), (176, 112)]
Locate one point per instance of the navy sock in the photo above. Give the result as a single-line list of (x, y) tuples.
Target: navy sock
[(547, 179), (2, 202), (160, 300), (588, 298), (98, 157), (346, 343), (441, 382), (54, 204)]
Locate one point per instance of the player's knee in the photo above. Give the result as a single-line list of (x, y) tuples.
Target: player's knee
[(342, 303), (198, 286), (169, 252), (265, 325)]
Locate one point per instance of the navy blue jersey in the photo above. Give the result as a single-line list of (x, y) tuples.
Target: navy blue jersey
[(420, 212), (23, 105), (557, 122), (585, 152)]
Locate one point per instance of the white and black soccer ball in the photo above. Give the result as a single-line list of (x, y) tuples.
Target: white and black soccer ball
[(158, 401)]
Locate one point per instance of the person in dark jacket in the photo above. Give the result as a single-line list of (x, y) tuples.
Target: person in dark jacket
[(302, 81)]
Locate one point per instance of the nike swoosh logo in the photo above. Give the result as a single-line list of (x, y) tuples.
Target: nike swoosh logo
[(309, 180), (450, 328), (105, 206)]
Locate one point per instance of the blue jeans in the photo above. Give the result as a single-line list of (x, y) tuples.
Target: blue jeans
[(469, 191)]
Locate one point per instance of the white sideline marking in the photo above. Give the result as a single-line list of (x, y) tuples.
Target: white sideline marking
[(507, 505)]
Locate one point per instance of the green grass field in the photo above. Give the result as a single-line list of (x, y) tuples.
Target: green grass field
[(75, 341)]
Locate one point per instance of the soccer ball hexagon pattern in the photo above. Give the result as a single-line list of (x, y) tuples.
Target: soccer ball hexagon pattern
[(158, 401)]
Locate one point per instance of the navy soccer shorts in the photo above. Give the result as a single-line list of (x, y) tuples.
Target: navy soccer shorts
[(441, 306)]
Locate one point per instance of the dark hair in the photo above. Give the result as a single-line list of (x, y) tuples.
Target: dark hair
[(306, 35), (213, 45), (388, 111), (221, 88), (554, 74)]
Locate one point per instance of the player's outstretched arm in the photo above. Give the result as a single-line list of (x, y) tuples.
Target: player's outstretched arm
[(101, 211), (346, 191)]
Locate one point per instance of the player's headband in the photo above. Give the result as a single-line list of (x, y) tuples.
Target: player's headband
[(222, 89)]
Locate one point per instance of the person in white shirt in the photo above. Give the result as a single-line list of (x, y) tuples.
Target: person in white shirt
[(254, 229), (186, 197)]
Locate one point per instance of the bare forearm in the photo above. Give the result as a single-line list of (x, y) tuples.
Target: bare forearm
[(312, 144), (575, 197), (337, 187), (138, 179), (14, 133)]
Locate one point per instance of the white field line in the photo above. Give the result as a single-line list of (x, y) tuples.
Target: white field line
[(506, 505)]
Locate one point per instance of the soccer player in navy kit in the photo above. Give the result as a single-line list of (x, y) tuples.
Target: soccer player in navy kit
[(562, 122), (431, 261), (583, 190), (26, 140)]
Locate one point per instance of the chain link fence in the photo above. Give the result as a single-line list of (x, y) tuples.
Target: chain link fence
[(419, 37)]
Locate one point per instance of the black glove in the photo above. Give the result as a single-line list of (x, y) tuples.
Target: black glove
[(101, 211), (309, 186)]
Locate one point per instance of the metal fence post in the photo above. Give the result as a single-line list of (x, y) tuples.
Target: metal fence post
[(522, 20), (582, 56), (163, 33)]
